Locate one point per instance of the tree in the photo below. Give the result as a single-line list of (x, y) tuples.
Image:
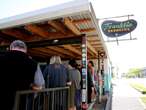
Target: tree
[(133, 72)]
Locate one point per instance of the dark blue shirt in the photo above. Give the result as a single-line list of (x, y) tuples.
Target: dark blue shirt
[(55, 75)]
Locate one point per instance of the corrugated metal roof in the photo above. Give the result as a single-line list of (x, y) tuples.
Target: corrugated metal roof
[(85, 25)]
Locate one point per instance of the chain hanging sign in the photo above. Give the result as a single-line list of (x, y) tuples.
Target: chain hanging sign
[(114, 29)]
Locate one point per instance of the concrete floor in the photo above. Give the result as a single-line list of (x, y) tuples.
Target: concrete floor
[(98, 106), (125, 97)]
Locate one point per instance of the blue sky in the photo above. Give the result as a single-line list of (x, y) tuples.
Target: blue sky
[(128, 54)]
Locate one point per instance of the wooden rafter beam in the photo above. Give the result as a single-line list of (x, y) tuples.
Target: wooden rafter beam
[(94, 35), (89, 52), (57, 25), (72, 27), (49, 52), (45, 34), (37, 30), (63, 51), (93, 39), (46, 43), (99, 47), (72, 49), (57, 52), (7, 37), (44, 53), (39, 53), (17, 34), (95, 43), (88, 30), (81, 20), (96, 46), (90, 47)]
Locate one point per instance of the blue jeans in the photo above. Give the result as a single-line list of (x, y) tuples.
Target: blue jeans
[(78, 99)]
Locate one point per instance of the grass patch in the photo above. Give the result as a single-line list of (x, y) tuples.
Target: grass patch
[(144, 99), (139, 87)]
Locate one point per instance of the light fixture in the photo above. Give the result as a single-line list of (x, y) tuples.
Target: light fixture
[(55, 41)]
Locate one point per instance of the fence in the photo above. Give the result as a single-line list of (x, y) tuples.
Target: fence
[(46, 99)]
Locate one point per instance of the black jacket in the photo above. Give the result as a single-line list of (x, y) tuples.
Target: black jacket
[(89, 85), (16, 73)]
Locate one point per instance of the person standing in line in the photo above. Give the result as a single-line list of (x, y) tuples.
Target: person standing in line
[(94, 79), (75, 88), (90, 83), (55, 75), (18, 71), (91, 70)]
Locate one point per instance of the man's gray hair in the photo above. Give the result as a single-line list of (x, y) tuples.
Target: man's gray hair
[(18, 44)]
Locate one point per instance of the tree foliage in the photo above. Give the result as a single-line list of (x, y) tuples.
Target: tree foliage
[(133, 72)]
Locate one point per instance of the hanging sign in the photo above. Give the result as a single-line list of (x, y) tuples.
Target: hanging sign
[(115, 28)]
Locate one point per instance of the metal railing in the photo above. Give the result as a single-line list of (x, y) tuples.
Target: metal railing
[(45, 99)]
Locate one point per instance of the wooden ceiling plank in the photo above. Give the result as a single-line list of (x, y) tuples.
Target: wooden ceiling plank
[(72, 27), (36, 53), (88, 30), (63, 51), (97, 46), (90, 53), (17, 34), (48, 52), (7, 37), (58, 26), (81, 20), (55, 52), (72, 49), (91, 48), (93, 38), (39, 51), (95, 43), (37, 30), (47, 35)]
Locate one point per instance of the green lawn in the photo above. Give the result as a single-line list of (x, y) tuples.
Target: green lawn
[(139, 87), (144, 99)]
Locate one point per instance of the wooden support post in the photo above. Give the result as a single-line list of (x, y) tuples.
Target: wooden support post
[(99, 78), (84, 73)]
